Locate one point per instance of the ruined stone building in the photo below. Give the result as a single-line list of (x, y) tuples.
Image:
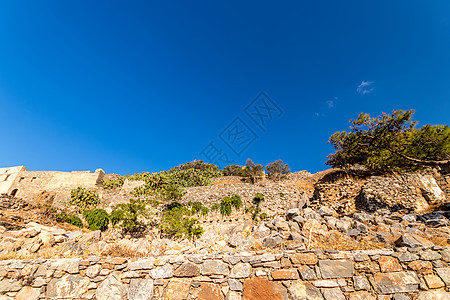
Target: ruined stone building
[(32, 185)]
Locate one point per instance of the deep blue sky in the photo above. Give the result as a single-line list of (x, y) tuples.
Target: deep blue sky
[(131, 86)]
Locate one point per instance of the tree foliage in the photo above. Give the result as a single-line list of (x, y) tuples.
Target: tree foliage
[(391, 143), (97, 219), (278, 168), (129, 216), (253, 170)]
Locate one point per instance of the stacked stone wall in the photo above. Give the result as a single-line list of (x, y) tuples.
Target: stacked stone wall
[(401, 273)]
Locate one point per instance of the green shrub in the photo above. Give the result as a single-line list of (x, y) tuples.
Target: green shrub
[(204, 211), (258, 199), (83, 198), (68, 218), (234, 170), (196, 207), (113, 183), (215, 206), (225, 206), (177, 223), (97, 219), (256, 202), (236, 201), (128, 216), (263, 216)]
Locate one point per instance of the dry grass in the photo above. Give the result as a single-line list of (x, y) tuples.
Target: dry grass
[(119, 250), (337, 241)]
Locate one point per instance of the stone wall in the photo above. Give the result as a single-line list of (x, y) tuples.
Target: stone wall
[(8, 176), (31, 184), (402, 273)]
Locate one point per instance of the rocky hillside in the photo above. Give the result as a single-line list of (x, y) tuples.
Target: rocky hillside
[(328, 235)]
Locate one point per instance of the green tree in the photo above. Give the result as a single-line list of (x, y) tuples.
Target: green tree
[(391, 142), (129, 216), (253, 170), (234, 170), (277, 168)]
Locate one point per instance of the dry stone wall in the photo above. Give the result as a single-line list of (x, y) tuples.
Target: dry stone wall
[(402, 273)]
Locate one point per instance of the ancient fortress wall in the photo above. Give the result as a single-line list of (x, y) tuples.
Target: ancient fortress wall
[(29, 185), (402, 273)]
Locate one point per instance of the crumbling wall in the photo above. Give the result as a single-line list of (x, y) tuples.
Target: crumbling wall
[(8, 177)]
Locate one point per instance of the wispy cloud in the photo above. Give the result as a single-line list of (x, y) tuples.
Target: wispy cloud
[(366, 87), (330, 103)]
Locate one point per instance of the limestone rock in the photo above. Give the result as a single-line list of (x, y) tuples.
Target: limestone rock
[(111, 289), (28, 293), (258, 288), (71, 286), (140, 289), (241, 270), (397, 282), (336, 268), (214, 267), (209, 291), (164, 271), (301, 290), (187, 269)]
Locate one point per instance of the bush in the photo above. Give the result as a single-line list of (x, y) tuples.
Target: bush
[(215, 207), (277, 169), (177, 223), (113, 183), (234, 170), (256, 202), (253, 171), (263, 216), (236, 201), (83, 198), (204, 211), (97, 219), (225, 206), (196, 207), (128, 216), (68, 218)]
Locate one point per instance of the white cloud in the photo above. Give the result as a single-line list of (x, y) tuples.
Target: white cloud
[(366, 87), (330, 103)]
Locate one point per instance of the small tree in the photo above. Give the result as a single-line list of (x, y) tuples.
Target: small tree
[(391, 143), (277, 169), (253, 171), (234, 170), (129, 216)]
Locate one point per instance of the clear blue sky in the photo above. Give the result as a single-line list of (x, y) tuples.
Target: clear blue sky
[(132, 86)]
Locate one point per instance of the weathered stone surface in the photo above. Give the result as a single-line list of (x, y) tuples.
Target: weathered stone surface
[(232, 295), (258, 288), (178, 289), (301, 290), (429, 255), (389, 264), (187, 269), (209, 291), (235, 285), (141, 264), (307, 273), (433, 281), (272, 240), (10, 286), (397, 282), (336, 268), (71, 286), (241, 270), (164, 271), (361, 296), (304, 259), (285, 274), (333, 294), (214, 267), (140, 289), (28, 293), (433, 295), (361, 283), (93, 271), (111, 289), (444, 273)]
